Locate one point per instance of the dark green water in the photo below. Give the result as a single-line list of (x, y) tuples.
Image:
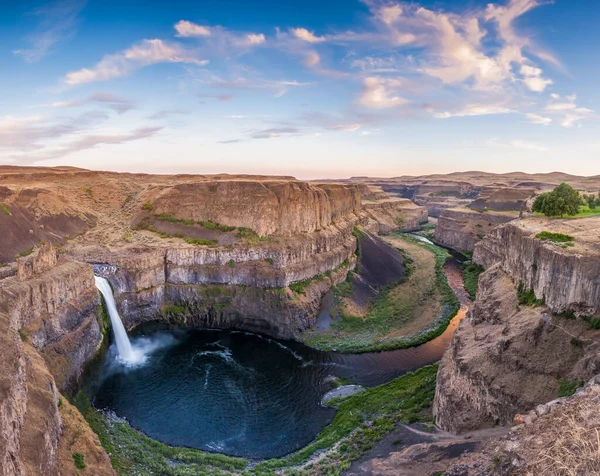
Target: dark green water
[(239, 393)]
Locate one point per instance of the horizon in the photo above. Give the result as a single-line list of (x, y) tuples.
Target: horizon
[(373, 88), (311, 179)]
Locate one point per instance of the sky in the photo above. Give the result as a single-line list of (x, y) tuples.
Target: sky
[(313, 89)]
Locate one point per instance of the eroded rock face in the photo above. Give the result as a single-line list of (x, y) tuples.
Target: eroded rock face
[(48, 331), (394, 214), (461, 228), (505, 359), (567, 278), (267, 207)]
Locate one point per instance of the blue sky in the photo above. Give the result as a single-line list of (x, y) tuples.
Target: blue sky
[(311, 89)]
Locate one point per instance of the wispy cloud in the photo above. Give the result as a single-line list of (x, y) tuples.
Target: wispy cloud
[(219, 37), (516, 144), (567, 110), (55, 22), (86, 142), (145, 53), (111, 101), (164, 114), (22, 134), (477, 109), (274, 132)]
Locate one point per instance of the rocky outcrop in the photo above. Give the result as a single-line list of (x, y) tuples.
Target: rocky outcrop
[(461, 228), (502, 359), (58, 312), (566, 277), (48, 331), (267, 207), (436, 204), (393, 214), (502, 198)]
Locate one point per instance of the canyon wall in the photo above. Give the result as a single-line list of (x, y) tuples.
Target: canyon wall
[(505, 357), (394, 214), (267, 207), (50, 326), (461, 228), (565, 277)]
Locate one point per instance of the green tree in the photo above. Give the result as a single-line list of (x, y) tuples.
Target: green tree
[(563, 200)]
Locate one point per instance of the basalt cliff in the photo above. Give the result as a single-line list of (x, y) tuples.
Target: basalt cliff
[(531, 329), (196, 251)]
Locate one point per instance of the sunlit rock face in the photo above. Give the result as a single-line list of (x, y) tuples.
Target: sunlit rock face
[(506, 357), (267, 207), (461, 228)]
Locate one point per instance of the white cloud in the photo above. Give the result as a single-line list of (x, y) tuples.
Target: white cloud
[(304, 34), (537, 119), (353, 127), (523, 144), (376, 93), (533, 78), (570, 114), (255, 39), (474, 110), (312, 59), (515, 144), (145, 53), (188, 29), (390, 14)]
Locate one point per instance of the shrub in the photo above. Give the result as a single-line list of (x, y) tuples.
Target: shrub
[(526, 297), (563, 200), (231, 263), (147, 206), (79, 461), (88, 191), (269, 260), (173, 310), (211, 225), (471, 272), (554, 237), (201, 241), (575, 342), (5, 209), (568, 387)]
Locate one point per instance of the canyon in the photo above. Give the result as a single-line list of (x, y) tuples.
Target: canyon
[(258, 254)]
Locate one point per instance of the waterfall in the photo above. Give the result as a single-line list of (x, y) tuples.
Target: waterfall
[(123, 345)]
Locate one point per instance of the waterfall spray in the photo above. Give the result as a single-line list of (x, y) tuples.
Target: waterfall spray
[(123, 345)]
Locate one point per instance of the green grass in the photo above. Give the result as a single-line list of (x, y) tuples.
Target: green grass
[(593, 322), (568, 387), (5, 209), (208, 224), (27, 252), (78, 459), (471, 272), (526, 297), (201, 241), (173, 310), (554, 237), (147, 206), (584, 212), (367, 334), (250, 236)]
